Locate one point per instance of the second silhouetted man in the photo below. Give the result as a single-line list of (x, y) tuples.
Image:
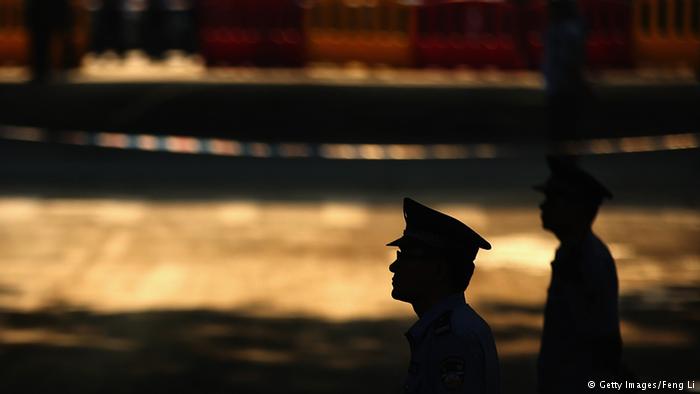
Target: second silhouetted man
[(581, 337)]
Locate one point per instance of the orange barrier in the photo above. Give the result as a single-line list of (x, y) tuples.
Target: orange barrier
[(476, 33), (667, 32), (13, 36), (68, 47), (81, 30), (369, 31)]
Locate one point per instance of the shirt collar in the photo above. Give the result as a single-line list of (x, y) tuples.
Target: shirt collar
[(450, 302), (572, 247)]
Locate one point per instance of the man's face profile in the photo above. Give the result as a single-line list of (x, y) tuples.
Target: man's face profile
[(414, 274), (552, 211), (560, 213)]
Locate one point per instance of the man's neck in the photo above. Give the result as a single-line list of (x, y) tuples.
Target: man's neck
[(573, 236), (424, 305)]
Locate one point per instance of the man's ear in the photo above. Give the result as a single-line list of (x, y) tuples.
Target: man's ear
[(442, 268), (431, 268)]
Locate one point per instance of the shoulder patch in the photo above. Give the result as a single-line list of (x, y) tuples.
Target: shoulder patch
[(443, 324), (452, 373)]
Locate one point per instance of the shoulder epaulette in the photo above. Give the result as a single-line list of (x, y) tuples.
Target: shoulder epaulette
[(443, 324)]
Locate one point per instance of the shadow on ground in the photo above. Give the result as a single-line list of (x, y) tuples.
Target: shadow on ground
[(197, 351), (61, 349)]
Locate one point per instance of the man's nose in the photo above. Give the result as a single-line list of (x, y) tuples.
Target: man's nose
[(392, 266)]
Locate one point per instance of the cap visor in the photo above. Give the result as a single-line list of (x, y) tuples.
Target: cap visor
[(396, 242), (411, 241)]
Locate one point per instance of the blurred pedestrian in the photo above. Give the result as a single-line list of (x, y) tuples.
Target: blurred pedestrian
[(180, 29), (563, 68), (134, 29), (452, 348), (108, 26), (156, 29), (581, 339), (50, 24)]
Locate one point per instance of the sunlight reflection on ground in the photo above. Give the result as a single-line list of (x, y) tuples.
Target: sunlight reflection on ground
[(324, 260)]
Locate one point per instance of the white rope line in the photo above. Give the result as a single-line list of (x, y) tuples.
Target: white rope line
[(338, 151)]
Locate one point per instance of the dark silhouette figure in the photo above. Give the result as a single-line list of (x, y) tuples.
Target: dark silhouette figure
[(452, 348), (581, 339), (156, 29), (134, 25), (564, 59), (108, 27), (180, 26), (47, 19)]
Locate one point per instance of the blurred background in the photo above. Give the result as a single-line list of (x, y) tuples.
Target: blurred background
[(195, 195)]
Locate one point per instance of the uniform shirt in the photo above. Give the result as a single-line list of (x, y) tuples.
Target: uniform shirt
[(452, 351), (581, 335)]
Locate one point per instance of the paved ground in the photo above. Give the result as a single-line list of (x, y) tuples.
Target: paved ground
[(137, 272), (131, 271), (346, 104)]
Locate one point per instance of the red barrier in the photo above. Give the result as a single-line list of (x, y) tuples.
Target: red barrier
[(535, 15), (284, 39), (609, 33), (251, 32), (475, 33), (608, 27)]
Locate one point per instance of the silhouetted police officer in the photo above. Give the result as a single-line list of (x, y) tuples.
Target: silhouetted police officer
[(581, 336), (452, 349)]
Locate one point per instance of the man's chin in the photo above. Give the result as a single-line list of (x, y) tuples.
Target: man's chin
[(546, 225), (395, 294)]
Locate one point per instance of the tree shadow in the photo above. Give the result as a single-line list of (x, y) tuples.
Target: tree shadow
[(663, 342), (197, 351), (671, 315), (61, 349)]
